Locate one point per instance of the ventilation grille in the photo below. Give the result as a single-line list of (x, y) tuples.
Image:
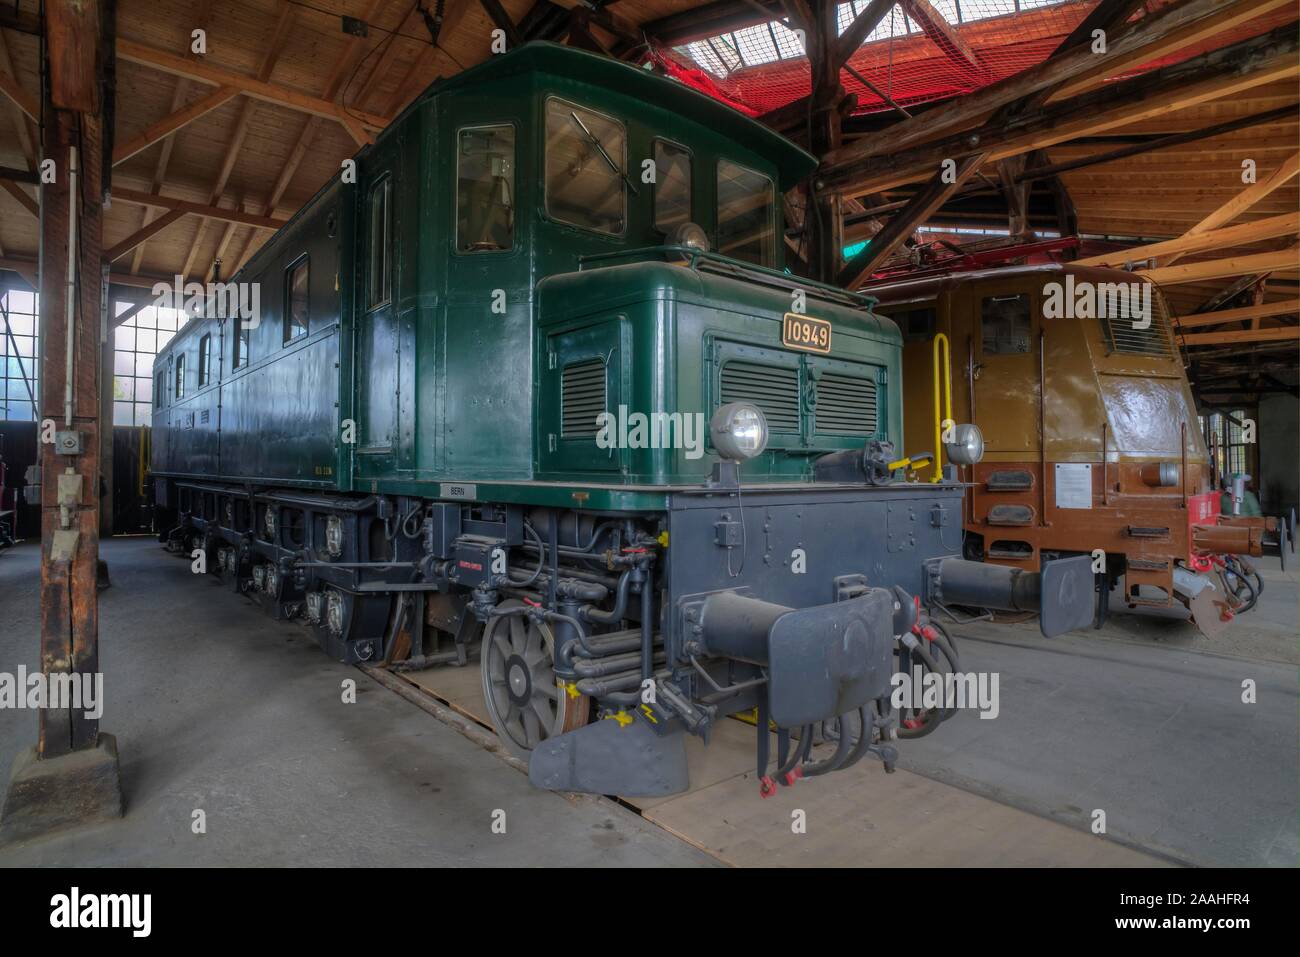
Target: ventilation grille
[(773, 389), (846, 405), (582, 398), (1129, 304)]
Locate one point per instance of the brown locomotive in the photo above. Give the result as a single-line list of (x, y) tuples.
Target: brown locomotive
[(1056, 363)]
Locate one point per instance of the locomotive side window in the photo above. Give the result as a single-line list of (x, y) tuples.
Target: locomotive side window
[(1005, 324), (378, 284), (205, 361), (295, 298), (180, 375), (239, 343), (485, 189), (159, 390), (586, 156), (672, 187), (746, 203)]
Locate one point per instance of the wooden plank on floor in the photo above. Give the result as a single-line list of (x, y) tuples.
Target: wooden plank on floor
[(461, 688), (864, 817)]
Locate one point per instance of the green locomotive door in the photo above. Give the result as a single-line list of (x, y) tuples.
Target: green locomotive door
[(377, 341)]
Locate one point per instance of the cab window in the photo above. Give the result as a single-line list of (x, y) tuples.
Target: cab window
[(746, 214), (485, 189), (1005, 323), (586, 163), (672, 186)]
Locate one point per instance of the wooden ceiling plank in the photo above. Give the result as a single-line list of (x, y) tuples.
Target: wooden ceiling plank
[(1223, 268), (1225, 238), (10, 87), (1244, 200), (20, 194), (145, 55), (20, 116), (172, 122), (1287, 307)]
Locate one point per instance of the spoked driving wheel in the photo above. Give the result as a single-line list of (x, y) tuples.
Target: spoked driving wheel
[(526, 702)]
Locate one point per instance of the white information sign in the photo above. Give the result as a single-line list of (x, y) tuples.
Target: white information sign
[(1073, 485)]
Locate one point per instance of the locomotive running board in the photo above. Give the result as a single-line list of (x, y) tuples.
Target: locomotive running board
[(613, 756)]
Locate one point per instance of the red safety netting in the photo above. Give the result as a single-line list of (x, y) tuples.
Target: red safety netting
[(924, 62)]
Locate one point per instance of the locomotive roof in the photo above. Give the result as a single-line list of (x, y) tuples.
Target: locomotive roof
[(792, 163), (933, 285)]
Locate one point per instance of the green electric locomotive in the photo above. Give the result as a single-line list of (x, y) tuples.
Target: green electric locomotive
[(529, 373)]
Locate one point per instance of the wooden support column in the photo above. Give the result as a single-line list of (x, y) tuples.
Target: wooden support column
[(825, 219), (71, 776)]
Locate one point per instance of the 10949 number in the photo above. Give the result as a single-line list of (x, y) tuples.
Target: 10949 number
[(806, 333)]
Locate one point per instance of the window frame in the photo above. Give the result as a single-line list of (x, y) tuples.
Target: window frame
[(287, 322), (717, 212), (654, 188), (205, 359), (1033, 305), (514, 189), (622, 177), (179, 377), (385, 183)]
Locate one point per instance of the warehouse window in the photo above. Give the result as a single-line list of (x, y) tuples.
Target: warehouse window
[(205, 360), (180, 375), (672, 187), (586, 156), (19, 355), (1005, 323), (137, 340), (746, 220), (379, 279), (295, 300), (485, 189)]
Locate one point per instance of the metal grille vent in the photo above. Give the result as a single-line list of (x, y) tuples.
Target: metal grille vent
[(846, 405), (775, 390), (582, 398), (1127, 303)]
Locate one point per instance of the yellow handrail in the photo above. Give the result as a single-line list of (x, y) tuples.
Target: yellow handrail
[(947, 406)]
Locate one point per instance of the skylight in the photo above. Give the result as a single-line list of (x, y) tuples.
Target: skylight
[(773, 42)]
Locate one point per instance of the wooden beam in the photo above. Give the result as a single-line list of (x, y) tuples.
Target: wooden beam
[(975, 107), (1223, 268), (172, 122), (856, 32), (903, 223), (943, 35), (149, 56), (25, 265), (18, 193), (21, 98), (1285, 225), (1163, 142), (1286, 307), (1240, 335), (72, 31), (140, 235), (1214, 75), (1188, 34), (138, 198), (1244, 200)]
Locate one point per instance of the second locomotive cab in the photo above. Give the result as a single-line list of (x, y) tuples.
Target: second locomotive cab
[(530, 378)]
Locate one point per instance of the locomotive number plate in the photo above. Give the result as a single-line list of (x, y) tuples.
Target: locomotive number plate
[(806, 333)]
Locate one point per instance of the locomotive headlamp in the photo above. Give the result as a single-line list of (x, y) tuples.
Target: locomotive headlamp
[(269, 521), (334, 536), (738, 431), (967, 445), (690, 235)]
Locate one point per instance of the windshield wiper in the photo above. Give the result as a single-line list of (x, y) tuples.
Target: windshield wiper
[(608, 159)]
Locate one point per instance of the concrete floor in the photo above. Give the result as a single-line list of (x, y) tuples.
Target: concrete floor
[(217, 708), (1143, 720)]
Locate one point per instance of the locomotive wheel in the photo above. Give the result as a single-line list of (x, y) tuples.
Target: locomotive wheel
[(526, 702)]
